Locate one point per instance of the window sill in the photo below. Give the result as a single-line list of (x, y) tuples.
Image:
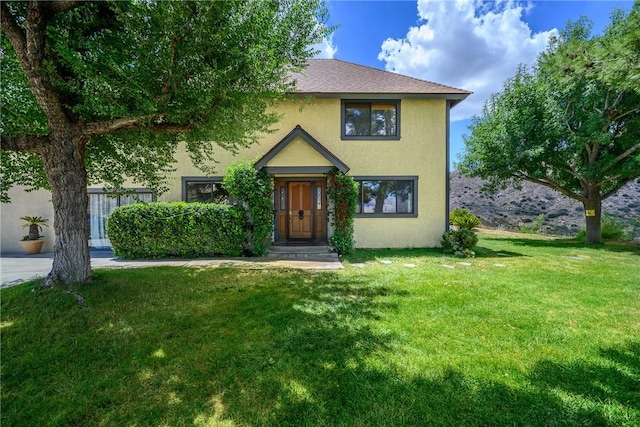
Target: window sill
[(387, 215), (369, 138)]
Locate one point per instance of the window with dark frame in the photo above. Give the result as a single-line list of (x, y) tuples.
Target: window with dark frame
[(370, 119), (386, 197), (101, 204), (204, 190)]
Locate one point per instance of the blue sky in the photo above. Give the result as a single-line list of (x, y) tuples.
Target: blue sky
[(470, 44)]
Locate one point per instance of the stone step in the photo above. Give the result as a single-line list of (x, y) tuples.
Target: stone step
[(295, 251)]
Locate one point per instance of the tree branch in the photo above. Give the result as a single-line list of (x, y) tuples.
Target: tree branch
[(627, 153), (64, 5), (572, 170), (626, 113), (615, 190), (14, 33), (623, 157), (29, 46), (594, 153), (27, 143), (554, 186), (150, 123)]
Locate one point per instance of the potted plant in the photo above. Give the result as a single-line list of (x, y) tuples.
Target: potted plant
[(32, 243)]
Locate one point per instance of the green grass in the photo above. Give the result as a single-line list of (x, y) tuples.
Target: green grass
[(535, 332)]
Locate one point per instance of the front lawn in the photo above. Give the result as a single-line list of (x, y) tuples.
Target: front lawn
[(531, 332)]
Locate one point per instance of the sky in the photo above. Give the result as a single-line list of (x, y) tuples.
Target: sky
[(469, 44)]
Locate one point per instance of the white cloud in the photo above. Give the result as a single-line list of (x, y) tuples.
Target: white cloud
[(326, 49), (469, 44)]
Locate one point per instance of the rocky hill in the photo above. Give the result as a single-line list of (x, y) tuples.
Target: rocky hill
[(563, 216)]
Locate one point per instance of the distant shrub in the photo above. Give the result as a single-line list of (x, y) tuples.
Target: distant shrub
[(635, 228), (534, 227), (463, 219), (561, 212), (611, 228), (177, 229), (459, 242)]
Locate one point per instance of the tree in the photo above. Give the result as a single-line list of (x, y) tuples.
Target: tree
[(100, 91), (572, 123)]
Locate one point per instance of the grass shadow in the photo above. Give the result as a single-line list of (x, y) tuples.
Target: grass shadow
[(562, 243), (375, 255), (370, 255), (232, 347), (483, 252), (615, 380)]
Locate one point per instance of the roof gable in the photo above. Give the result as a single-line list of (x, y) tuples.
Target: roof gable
[(296, 144)]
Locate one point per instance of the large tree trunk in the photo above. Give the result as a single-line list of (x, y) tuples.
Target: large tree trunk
[(593, 216), (65, 169)]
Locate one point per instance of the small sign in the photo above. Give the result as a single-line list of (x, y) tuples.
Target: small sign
[(590, 212)]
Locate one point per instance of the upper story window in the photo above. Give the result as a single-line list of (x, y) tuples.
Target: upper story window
[(370, 119), (204, 190)]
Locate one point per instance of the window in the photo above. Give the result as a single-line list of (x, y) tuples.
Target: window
[(370, 120), (204, 190), (387, 196), (101, 205)]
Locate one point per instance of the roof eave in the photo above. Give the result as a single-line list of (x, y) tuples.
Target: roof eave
[(456, 97)]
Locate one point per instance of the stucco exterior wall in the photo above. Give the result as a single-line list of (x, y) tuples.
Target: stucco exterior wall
[(34, 203), (420, 151)]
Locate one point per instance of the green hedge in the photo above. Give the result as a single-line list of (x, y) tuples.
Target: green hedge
[(176, 229)]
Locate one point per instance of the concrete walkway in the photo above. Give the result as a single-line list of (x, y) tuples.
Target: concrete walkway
[(19, 268)]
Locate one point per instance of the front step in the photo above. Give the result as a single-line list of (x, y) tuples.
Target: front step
[(302, 252)]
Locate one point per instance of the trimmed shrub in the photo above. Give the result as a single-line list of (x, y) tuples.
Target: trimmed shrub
[(176, 229), (463, 219), (459, 242)]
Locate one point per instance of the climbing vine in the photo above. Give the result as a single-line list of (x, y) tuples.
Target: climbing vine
[(253, 189), (342, 192)]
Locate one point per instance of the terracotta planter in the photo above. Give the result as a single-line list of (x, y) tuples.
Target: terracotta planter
[(32, 246)]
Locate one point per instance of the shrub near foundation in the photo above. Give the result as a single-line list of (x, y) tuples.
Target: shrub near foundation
[(459, 242), (176, 229)]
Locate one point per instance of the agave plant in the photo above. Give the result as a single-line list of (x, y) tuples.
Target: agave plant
[(35, 224)]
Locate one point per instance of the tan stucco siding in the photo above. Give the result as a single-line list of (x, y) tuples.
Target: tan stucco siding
[(299, 153), (34, 203), (420, 151)]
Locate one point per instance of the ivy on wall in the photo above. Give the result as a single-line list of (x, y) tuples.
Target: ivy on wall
[(342, 191), (253, 189)]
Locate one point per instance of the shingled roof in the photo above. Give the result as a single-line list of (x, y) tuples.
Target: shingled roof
[(334, 76)]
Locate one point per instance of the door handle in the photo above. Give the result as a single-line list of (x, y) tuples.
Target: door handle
[(300, 214)]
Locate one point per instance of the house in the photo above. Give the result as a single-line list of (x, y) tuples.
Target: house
[(388, 131)]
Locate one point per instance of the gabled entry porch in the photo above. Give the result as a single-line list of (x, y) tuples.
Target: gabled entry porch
[(299, 165)]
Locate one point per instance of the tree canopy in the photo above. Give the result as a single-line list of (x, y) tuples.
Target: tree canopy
[(103, 91), (571, 123)]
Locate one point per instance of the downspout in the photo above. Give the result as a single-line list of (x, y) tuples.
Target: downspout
[(447, 171)]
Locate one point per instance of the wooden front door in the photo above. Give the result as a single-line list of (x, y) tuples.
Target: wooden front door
[(301, 213)]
